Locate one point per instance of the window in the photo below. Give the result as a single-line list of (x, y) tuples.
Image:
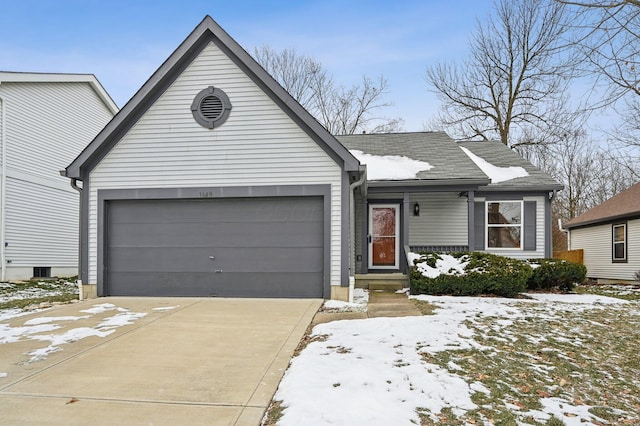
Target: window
[(504, 224), (42, 272), (619, 243)]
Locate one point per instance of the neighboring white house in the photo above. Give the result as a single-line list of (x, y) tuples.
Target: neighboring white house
[(45, 122), (609, 235)]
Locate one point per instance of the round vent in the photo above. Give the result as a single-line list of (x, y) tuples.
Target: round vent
[(211, 107)]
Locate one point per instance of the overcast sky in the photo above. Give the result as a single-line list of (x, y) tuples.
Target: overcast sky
[(123, 42)]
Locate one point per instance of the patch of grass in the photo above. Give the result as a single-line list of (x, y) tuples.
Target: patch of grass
[(582, 357), (20, 295), (273, 414), (23, 303), (625, 292), (425, 308), (307, 339)]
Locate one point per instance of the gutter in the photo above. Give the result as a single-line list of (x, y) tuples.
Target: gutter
[(3, 189), (74, 185), (352, 233), (429, 182)]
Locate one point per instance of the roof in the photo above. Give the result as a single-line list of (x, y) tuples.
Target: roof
[(36, 77), (624, 205), (435, 148), (206, 32), (450, 163), (500, 155)]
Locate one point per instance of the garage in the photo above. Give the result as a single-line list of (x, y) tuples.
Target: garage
[(226, 247)]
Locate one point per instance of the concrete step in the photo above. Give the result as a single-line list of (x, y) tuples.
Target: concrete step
[(384, 282)]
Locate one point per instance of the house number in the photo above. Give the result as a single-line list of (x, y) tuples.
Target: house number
[(206, 194)]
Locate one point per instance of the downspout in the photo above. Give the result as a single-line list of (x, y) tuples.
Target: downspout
[(3, 190), (74, 185), (352, 233), (566, 231)]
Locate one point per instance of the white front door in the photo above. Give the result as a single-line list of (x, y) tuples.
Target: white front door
[(384, 238)]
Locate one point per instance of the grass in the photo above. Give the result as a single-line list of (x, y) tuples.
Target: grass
[(273, 414), (425, 308), (626, 292), (22, 295), (583, 358)]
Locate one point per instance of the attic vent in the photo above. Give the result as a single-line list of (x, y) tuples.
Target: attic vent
[(211, 107)]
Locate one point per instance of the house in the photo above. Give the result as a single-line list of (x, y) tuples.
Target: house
[(427, 192), (45, 121), (214, 181), (609, 235)]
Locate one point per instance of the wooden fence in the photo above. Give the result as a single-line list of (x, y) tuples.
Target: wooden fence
[(570, 255)]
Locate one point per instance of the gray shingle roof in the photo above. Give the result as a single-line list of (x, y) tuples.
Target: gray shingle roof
[(501, 155), (448, 160), (436, 148)]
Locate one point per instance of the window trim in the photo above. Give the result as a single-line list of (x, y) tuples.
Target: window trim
[(488, 225), (614, 259)]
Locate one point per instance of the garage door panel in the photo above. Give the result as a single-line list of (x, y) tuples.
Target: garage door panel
[(231, 285), (257, 260), (150, 283), (197, 259), (261, 247), (162, 259), (280, 234), (233, 210)]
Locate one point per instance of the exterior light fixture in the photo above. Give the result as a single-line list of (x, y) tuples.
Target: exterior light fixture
[(416, 209)]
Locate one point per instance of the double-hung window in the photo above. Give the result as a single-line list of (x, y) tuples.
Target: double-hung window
[(504, 225), (619, 242)]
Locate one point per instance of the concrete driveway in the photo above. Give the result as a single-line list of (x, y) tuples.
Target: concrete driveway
[(151, 361)]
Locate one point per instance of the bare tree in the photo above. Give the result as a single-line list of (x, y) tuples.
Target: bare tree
[(607, 35), (340, 109), (514, 83)]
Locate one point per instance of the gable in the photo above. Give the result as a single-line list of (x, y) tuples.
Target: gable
[(257, 141), (206, 34)]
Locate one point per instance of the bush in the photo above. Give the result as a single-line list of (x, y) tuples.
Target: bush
[(556, 273), (637, 276), (484, 274)]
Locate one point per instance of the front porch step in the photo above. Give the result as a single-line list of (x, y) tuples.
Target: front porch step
[(382, 282)]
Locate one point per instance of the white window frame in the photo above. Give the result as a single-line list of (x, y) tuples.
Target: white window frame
[(615, 259), (502, 225)]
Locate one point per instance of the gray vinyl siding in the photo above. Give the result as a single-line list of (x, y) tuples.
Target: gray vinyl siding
[(46, 125), (596, 242), (259, 144), (442, 221)]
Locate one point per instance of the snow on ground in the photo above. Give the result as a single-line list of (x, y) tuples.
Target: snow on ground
[(390, 167), (375, 371), (360, 300), (41, 328), (165, 308), (495, 173)]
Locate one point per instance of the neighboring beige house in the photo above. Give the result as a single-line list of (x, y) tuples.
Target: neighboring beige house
[(609, 234), (45, 121)]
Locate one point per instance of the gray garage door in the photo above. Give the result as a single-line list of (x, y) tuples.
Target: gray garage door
[(254, 247)]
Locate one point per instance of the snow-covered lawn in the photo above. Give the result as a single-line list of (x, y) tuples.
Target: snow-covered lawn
[(475, 361)]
